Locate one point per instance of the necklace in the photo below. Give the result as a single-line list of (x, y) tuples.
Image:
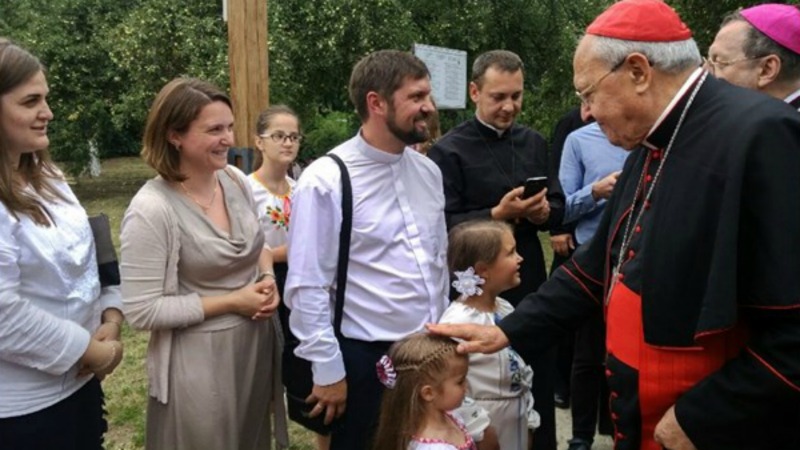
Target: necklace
[(282, 186), (509, 178), (631, 224), (205, 208)]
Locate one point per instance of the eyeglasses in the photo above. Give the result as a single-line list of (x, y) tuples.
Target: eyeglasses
[(714, 64), (585, 94), (279, 137)]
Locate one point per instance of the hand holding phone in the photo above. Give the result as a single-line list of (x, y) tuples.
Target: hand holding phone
[(533, 186)]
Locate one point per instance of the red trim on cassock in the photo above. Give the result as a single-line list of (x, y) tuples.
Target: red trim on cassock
[(773, 370), (664, 373), (776, 308), (609, 263), (597, 282), (580, 283)]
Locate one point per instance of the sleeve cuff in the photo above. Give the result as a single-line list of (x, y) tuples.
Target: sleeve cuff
[(77, 342), (110, 297), (328, 372)]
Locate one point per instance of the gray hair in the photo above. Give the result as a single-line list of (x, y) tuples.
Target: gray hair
[(758, 44), (670, 57)]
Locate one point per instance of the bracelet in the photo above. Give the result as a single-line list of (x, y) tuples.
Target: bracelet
[(263, 275), (110, 360)]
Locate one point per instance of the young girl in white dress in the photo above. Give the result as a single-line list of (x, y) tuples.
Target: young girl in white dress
[(483, 257), (425, 379)]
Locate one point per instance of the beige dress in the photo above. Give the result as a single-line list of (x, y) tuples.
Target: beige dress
[(223, 373)]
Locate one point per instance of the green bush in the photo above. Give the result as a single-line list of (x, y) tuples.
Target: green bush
[(326, 131)]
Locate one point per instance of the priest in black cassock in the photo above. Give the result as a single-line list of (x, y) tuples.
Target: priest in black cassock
[(696, 261), (485, 162)]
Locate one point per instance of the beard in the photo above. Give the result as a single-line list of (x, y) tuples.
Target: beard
[(408, 137)]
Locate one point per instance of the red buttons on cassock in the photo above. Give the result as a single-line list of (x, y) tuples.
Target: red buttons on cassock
[(619, 436), (647, 204), (608, 372), (614, 417), (620, 277), (656, 154), (648, 178), (638, 228), (613, 395), (631, 253)]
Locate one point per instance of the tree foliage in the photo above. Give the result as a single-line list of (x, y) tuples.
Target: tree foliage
[(107, 59)]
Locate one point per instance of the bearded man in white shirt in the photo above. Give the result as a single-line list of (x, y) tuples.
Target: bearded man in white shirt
[(397, 274)]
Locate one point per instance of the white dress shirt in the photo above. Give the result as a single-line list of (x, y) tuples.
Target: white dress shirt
[(397, 276), (50, 304)]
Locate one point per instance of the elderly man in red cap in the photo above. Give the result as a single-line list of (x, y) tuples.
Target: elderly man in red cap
[(759, 48), (695, 261)]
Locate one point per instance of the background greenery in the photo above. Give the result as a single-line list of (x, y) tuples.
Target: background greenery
[(108, 58)]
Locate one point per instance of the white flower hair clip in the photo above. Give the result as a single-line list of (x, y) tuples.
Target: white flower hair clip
[(468, 283)]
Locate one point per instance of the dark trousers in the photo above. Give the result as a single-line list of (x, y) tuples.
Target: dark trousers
[(589, 388), (75, 423), (565, 352), (364, 392), (544, 371)]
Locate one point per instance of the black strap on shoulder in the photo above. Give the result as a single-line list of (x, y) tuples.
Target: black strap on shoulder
[(344, 244)]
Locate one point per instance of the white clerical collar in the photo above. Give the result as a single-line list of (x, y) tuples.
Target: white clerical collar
[(681, 92), (792, 97), (374, 153), (496, 130)]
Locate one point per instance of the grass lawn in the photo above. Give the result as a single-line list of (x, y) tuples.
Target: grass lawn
[(126, 388)]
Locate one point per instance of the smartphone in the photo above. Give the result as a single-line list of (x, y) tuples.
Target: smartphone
[(533, 186)]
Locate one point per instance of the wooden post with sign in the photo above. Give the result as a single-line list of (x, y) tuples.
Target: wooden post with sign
[(248, 62)]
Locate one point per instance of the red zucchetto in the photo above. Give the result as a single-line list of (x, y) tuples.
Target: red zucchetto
[(640, 20)]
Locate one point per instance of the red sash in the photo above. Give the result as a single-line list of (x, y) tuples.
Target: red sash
[(664, 372)]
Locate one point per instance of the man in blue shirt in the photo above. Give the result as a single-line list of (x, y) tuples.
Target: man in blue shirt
[(588, 172)]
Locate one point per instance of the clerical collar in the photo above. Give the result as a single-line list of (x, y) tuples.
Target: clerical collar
[(658, 135), (374, 153), (496, 130), (794, 99)]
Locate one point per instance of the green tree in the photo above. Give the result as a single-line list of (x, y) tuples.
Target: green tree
[(157, 41), (64, 35)]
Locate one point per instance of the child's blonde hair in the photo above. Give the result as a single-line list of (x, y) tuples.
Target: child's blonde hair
[(419, 359), (476, 241)]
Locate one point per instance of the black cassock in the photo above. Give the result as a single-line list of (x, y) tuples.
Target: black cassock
[(479, 168)]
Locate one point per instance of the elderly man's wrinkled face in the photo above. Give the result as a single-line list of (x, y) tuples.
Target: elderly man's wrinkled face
[(608, 95), (726, 59)]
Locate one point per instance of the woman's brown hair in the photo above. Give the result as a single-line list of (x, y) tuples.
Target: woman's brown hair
[(177, 105), (17, 66), (419, 359)]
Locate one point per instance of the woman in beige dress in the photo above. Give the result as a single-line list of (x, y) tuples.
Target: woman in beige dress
[(197, 274)]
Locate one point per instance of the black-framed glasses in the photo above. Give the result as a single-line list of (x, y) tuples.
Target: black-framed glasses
[(713, 64), (584, 95), (279, 137)]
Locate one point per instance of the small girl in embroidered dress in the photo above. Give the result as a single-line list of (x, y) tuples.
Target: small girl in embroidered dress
[(425, 379), (483, 257)]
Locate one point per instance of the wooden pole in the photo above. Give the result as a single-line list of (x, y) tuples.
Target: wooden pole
[(248, 61)]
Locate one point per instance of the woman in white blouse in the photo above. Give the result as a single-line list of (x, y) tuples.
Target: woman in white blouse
[(59, 330)]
